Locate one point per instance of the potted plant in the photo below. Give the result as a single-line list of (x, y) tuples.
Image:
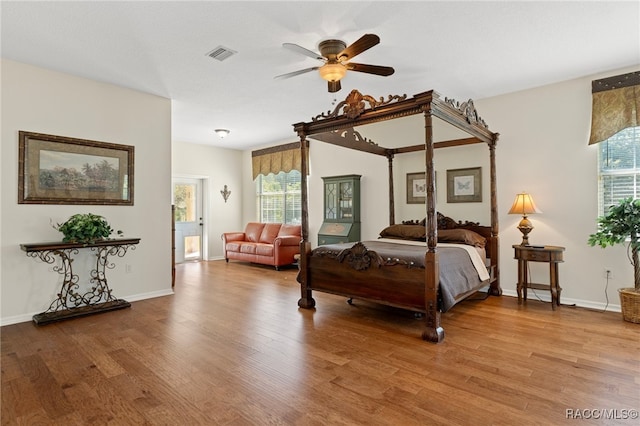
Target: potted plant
[(85, 228), (621, 225)]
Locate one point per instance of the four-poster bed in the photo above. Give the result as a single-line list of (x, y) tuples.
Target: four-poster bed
[(357, 271)]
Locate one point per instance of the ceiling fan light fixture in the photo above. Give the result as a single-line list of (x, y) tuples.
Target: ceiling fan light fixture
[(333, 72), (222, 133), (336, 56)]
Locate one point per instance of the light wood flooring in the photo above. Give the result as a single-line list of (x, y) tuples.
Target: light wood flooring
[(231, 347)]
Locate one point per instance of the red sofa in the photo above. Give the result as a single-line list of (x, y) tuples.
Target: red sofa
[(272, 244)]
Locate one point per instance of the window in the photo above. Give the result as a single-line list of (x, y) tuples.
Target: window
[(279, 198), (618, 168)]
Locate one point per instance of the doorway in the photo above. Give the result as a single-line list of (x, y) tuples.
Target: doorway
[(189, 223)]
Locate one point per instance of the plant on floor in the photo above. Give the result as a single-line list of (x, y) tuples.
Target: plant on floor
[(85, 228), (621, 225)]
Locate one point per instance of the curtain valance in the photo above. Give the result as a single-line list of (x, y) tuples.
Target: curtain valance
[(276, 159), (616, 105)]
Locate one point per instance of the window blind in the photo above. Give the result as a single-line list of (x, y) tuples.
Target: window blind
[(619, 168), (279, 197)]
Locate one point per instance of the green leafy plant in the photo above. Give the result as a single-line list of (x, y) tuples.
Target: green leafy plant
[(85, 228), (621, 225)]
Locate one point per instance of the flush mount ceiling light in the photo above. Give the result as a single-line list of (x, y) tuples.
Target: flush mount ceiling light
[(222, 133)]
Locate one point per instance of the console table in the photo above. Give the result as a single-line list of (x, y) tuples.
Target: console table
[(70, 302)]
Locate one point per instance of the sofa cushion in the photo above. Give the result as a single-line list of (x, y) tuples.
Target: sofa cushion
[(234, 246), (253, 231), (286, 230), (248, 248), (269, 232), (264, 250)]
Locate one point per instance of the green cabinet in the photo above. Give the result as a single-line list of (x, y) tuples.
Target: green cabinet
[(341, 210)]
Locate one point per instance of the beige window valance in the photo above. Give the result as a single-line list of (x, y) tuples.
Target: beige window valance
[(616, 105), (276, 159)]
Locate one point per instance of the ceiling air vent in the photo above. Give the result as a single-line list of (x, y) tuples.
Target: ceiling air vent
[(221, 53)]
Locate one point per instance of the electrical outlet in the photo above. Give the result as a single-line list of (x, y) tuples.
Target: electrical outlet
[(607, 273), (127, 268)]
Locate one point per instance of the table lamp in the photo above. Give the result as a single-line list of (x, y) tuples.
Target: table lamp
[(524, 205)]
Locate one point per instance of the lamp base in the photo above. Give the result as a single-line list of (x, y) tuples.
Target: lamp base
[(525, 227)]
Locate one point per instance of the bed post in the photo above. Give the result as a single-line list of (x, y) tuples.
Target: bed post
[(306, 299), (494, 288), (392, 207), (434, 331)]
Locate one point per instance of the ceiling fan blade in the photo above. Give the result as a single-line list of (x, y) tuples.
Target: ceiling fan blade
[(370, 69), (365, 42), (294, 73), (299, 49), (334, 86)]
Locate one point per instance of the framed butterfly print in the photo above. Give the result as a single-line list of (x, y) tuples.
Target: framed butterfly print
[(416, 188), (464, 185)]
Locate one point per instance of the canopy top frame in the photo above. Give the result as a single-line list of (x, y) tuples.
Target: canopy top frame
[(353, 112)]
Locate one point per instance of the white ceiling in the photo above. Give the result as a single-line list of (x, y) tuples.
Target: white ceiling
[(472, 49)]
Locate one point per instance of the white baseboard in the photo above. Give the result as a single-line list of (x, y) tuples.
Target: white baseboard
[(133, 298), (546, 297), (151, 295)]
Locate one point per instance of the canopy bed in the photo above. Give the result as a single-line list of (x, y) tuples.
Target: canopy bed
[(383, 271)]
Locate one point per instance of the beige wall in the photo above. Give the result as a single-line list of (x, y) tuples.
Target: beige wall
[(542, 150), (39, 100), (217, 167)]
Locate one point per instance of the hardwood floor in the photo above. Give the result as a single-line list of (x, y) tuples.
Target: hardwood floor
[(231, 347)]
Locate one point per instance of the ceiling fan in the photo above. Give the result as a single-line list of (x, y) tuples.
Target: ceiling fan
[(335, 54)]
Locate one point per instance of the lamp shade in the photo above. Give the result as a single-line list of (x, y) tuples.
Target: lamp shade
[(524, 205)]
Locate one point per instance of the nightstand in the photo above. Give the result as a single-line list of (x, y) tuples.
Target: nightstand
[(549, 254)]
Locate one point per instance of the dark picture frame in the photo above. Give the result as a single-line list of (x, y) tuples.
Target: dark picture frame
[(464, 185), (63, 170), (416, 188)]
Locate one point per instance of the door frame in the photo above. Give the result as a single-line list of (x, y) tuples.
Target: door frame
[(204, 182)]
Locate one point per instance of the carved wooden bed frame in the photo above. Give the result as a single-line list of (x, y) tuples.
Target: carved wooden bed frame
[(337, 128)]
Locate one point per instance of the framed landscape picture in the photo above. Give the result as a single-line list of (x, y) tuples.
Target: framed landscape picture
[(63, 170), (464, 185)]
